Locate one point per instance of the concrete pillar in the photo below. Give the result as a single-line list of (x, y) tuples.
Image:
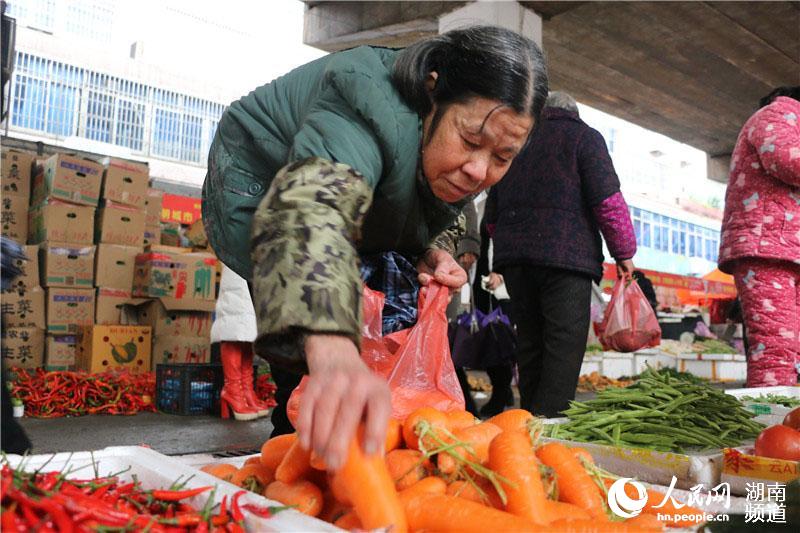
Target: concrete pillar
[(508, 14), (718, 167)]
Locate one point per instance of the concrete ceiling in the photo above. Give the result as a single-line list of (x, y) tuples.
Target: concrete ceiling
[(693, 71)]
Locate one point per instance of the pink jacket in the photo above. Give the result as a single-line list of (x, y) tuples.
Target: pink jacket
[(762, 203)]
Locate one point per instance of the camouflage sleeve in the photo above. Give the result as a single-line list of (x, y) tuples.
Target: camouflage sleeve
[(448, 239), (305, 265)]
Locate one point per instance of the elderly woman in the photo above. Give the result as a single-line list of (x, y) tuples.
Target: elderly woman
[(760, 242), (363, 151), (546, 218)]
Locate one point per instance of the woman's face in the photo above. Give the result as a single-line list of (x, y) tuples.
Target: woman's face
[(472, 147)]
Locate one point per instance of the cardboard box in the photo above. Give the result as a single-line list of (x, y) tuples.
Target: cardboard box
[(24, 307), (14, 217), (67, 265), (68, 310), (170, 349), (68, 178), (196, 234), (171, 317), (125, 182), (108, 305), (29, 268), (61, 222), (23, 347), (742, 468), (170, 234), (153, 204), (120, 224), (174, 275), (152, 235), (113, 347), (15, 173), (61, 352), (114, 266)]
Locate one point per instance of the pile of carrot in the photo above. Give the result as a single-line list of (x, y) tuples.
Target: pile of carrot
[(446, 472)]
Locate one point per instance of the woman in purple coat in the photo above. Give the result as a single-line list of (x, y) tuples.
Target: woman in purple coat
[(547, 214)]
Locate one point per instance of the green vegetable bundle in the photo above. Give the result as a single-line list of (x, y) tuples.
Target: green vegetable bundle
[(661, 413), (778, 399)]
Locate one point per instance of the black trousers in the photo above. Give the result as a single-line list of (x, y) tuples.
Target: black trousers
[(551, 309)]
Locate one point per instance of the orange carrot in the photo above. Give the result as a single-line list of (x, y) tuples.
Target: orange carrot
[(273, 451), (338, 490), (332, 510), (645, 521), (348, 521), (460, 419), (511, 456), (303, 494), (394, 435), (223, 471), (316, 462), (255, 460), (583, 453), (655, 497), (366, 480), (478, 437), (295, 463), (437, 420), (596, 526), (512, 420), (440, 512), (406, 467), (565, 511), (429, 485), (466, 490), (574, 483), (253, 477)]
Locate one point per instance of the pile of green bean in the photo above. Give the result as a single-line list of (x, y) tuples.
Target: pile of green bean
[(660, 412)]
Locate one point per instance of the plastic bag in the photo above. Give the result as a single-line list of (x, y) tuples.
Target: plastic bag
[(629, 323), (415, 361)]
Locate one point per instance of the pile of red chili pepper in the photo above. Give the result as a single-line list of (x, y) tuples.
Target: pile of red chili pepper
[(265, 389), (52, 503), (55, 394)]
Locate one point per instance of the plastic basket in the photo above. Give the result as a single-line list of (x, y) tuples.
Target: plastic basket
[(188, 388)]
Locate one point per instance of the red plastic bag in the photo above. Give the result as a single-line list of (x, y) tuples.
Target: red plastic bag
[(629, 323), (415, 361)]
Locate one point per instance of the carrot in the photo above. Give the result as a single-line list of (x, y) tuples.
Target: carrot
[(574, 483), (348, 521), (511, 456), (332, 510), (595, 526), (295, 463), (478, 437), (255, 460), (440, 512), (583, 453), (645, 521), (223, 471), (316, 462), (512, 420), (429, 485), (437, 420), (367, 482), (654, 498), (394, 435), (406, 467), (466, 490), (460, 420), (273, 451), (566, 511), (253, 477), (303, 494)]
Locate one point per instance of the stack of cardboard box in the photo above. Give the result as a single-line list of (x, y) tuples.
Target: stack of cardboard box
[(22, 305)]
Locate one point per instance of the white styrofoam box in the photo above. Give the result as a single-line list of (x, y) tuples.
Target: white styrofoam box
[(616, 365), (591, 363), (155, 470), (656, 359), (715, 367), (731, 370), (764, 408)]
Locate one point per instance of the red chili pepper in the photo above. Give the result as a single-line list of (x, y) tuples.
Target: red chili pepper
[(177, 495), (236, 511), (30, 517), (258, 510), (182, 520), (9, 521)]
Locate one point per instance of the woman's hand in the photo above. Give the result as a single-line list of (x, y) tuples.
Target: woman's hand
[(466, 260), (438, 265), (341, 391), (495, 280), (625, 269)]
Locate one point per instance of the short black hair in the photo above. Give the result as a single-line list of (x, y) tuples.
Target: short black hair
[(792, 91), (478, 61)]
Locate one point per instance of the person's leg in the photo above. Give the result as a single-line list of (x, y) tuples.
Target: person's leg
[(285, 383), (469, 401), (565, 301), (232, 398), (248, 380), (521, 283), (768, 292), (500, 377)]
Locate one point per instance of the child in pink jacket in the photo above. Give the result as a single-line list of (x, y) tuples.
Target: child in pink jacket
[(760, 242)]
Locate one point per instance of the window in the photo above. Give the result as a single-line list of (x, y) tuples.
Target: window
[(646, 234), (39, 14)]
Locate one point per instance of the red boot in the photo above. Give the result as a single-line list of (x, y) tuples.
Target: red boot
[(232, 396), (247, 381)]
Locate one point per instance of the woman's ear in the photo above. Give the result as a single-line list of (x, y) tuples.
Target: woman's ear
[(430, 82)]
